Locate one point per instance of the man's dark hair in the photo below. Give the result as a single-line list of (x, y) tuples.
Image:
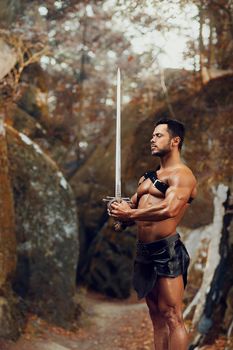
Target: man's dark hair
[(175, 128)]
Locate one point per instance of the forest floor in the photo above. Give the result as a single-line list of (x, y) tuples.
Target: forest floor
[(106, 324)]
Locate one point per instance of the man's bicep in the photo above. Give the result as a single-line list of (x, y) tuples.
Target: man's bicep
[(176, 198), (134, 201), (178, 194)]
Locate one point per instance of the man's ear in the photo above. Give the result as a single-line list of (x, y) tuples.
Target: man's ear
[(175, 141)]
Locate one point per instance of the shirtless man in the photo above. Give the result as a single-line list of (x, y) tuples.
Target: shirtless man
[(160, 270)]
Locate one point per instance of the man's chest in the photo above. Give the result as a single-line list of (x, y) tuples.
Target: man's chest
[(153, 187)]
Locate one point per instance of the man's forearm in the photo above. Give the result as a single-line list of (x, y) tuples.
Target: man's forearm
[(157, 212), (154, 213)]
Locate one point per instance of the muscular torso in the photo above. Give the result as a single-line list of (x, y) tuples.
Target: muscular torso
[(149, 231)]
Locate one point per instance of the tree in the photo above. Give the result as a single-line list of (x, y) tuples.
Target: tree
[(215, 48)]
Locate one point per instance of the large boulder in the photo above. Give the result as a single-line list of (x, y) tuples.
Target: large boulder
[(23, 122), (47, 231), (110, 259)]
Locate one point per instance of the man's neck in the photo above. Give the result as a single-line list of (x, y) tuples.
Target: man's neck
[(170, 160)]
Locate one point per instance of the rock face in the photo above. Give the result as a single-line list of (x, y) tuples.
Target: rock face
[(207, 116), (9, 322), (47, 232), (111, 262), (25, 123)]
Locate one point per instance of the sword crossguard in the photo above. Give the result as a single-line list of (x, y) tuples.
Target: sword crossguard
[(110, 200)]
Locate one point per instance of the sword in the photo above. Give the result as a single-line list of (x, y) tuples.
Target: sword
[(118, 139), (117, 196)]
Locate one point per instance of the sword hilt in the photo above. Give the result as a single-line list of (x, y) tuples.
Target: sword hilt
[(118, 225)]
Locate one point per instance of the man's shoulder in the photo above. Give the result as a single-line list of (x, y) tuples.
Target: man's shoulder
[(183, 169), (183, 173)]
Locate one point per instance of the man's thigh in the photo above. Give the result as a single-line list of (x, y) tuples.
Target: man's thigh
[(170, 292), (152, 299)]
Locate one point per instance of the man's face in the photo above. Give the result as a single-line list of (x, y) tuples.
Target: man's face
[(161, 141)]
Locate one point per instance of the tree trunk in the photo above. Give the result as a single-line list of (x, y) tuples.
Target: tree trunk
[(82, 77), (214, 311), (211, 46), (8, 312), (201, 44)]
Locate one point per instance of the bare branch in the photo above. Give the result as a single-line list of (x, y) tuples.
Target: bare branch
[(26, 52)]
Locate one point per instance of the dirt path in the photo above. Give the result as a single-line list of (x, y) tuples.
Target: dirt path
[(109, 325)]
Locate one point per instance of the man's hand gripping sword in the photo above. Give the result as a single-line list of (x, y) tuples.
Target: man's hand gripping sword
[(118, 226)]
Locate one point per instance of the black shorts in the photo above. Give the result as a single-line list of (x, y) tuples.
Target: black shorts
[(166, 257)]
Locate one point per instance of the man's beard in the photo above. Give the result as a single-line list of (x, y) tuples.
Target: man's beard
[(162, 152)]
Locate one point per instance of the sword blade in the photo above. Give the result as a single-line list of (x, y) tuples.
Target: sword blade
[(118, 139)]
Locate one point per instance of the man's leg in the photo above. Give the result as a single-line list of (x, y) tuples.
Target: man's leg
[(170, 295), (161, 330)]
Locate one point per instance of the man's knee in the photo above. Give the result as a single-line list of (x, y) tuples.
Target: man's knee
[(171, 315)]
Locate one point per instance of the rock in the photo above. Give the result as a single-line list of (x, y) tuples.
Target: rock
[(7, 58), (229, 309), (32, 102), (51, 346), (11, 317), (111, 263), (47, 232), (196, 216), (36, 130), (23, 122)]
